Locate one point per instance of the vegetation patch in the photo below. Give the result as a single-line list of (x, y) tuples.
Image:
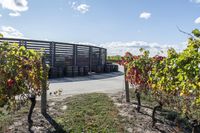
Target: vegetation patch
[(5, 119), (90, 113), (114, 59)]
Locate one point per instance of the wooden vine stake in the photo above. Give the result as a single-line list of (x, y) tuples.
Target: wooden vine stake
[(126, 86), (53, 123), (44, 88)]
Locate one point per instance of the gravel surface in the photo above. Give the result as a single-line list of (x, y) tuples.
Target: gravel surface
[(109, 83), (130, 119)]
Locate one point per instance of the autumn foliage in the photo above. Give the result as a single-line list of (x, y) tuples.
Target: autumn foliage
[(20, 73), (174, 80)]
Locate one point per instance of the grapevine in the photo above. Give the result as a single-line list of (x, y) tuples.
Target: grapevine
[(21, 73), (174, 80)]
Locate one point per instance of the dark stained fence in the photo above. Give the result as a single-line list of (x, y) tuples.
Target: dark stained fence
[(60, 54), (83, 55), (10, 40), (64, 54), (103, 56), (38, 45), (95, 58)]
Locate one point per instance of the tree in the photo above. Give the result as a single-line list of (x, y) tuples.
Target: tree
[(1, 35)]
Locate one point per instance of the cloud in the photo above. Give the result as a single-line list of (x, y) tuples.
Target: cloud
[(197, 21), (82, 8), (15, 6), (10, 32), (120, 48), (14, 14), (0, 15), (145, 15), (196, 1)]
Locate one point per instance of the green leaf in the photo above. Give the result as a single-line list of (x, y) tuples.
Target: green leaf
[(196, 32), (1, 35), (22, 48)]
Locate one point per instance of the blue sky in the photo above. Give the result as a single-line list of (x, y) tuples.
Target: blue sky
[(108, 23)]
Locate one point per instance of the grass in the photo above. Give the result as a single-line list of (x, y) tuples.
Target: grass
[(90, 113), (5, 120)]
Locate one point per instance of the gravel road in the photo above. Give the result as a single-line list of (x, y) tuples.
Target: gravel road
[(105, 83)]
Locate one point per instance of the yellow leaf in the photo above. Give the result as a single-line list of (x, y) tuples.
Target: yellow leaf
[(153, 85)]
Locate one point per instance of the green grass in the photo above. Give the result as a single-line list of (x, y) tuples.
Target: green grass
[(90, 113)]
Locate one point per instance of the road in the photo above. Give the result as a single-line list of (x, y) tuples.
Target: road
[(105, 83)]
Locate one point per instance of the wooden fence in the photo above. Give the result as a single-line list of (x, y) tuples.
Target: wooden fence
[(66, 54)]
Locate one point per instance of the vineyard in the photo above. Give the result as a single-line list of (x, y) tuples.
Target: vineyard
[(21, 73), (114, 59), (22, 77), (172, 81)]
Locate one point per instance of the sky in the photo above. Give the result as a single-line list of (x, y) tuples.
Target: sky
[(118, 25)]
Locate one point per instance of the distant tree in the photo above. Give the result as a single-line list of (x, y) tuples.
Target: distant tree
[(1, 35)]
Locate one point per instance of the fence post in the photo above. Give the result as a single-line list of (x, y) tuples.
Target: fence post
[(99, 62), (44, 88), (25, 44), (90, 59), (51, 54), (20, 43), (105, 56), (54, 53), (126, 86), (74, 54)]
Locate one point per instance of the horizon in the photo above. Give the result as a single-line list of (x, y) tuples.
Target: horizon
[(118, 26)]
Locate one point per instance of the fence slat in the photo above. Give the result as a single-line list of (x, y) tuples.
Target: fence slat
[(59, 53)]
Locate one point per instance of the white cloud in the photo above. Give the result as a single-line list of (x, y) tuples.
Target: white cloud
[(10, 32), (14, 14), (196, 1), (197, 21), (15, 6), (120, 48), (0, 15), (145, 15), (82, 8)]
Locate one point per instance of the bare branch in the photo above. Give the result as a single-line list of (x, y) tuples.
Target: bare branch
[(185, 32)]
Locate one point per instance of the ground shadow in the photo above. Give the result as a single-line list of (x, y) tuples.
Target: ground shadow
[(93, 76), (29, 128), (58, 128), (144, 106), (160, 130)]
